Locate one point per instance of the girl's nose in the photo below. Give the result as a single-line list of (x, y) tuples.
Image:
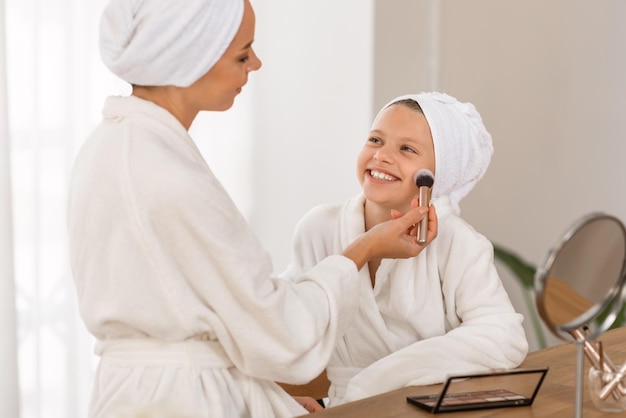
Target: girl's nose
[(383, 155)]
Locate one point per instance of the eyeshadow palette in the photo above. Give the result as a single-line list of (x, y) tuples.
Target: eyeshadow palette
[(499, 389)]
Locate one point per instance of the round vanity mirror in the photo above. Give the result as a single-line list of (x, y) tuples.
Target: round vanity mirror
[(578, 287), (578, 293)]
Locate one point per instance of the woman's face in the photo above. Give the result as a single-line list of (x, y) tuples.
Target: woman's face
[(217, 89), (399, 144)]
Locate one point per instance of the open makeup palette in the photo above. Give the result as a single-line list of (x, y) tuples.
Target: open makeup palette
[(499, 389)]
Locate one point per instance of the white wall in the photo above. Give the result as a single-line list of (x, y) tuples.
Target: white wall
[(548, 78), (406, 48), (313, 110)]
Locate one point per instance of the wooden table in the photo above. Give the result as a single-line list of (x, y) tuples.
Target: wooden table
[(555, 398)]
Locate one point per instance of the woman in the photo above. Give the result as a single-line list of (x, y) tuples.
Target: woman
[(170, 278)]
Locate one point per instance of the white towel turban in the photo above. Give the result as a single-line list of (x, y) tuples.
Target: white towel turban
[(463, 147), (166, 42)]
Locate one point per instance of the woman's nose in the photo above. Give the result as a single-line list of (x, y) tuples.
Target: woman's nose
[(255, 61)]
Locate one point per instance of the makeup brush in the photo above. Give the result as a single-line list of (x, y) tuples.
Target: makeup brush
[(424, 180)]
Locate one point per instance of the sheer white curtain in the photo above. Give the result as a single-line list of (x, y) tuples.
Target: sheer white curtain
[(9, 394), (55, 88), (54, 85)]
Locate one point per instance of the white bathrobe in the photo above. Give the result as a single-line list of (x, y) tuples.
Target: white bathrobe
[(442, 312), (177, 290)]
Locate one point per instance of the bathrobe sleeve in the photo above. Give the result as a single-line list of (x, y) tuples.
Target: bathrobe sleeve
[(484, 332)]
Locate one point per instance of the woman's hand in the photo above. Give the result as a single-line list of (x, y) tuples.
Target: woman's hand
[(432, 222), (309, 403), (396, 238)]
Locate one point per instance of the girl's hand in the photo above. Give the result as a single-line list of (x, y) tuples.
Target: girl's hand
[(309, 403)]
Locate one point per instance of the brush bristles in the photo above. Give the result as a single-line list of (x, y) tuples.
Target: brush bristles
[(424, 178)]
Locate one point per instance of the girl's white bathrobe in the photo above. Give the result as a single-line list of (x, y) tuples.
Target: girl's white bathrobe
[(176, 288), (442, 312)]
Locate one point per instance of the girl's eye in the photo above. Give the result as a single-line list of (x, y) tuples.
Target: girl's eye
[(409, 149), (245, 59), (374, 140)]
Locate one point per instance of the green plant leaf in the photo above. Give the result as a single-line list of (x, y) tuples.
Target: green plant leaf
[(620, 317)]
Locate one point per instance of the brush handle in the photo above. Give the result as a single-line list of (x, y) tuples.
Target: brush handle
[(601, 361), (422, 227)]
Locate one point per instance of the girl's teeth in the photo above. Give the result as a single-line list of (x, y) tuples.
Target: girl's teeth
[(380, 176)]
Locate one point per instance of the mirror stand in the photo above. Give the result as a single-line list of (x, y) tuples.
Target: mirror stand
[(580, 362)]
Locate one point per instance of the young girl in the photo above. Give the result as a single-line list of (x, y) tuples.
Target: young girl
[(444, 311)]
